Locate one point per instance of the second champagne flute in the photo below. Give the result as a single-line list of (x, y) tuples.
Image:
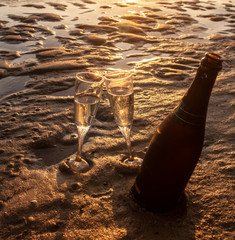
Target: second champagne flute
[(119, 84)]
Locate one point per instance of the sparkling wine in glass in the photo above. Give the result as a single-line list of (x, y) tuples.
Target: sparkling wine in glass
[(87, 95), (119, 84)]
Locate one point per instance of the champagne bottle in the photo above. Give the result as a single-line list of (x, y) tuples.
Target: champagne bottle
[(176, 146)]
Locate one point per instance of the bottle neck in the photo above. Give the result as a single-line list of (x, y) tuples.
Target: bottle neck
[(193, 107), (197, 97)]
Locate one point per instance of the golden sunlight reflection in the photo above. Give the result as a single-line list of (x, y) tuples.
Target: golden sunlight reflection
[(130, 1)]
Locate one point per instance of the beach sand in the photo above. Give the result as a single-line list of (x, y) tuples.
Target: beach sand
[(42, 47)]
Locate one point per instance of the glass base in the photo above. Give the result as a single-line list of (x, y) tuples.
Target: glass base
[(78, 165), (135, 161), (129, 167)]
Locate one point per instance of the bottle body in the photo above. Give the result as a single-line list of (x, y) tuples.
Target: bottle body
[(175, 147), (166, 168)]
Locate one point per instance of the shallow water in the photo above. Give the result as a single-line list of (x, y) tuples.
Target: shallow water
[(197, 15), (10, 85)]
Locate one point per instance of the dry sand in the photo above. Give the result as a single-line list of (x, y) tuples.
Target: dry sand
[(42, 47)]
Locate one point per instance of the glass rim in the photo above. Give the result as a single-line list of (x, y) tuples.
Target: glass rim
[(128, 72), (87, 80)]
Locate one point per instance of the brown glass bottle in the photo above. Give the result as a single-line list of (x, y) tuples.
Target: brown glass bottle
[(177, 143)]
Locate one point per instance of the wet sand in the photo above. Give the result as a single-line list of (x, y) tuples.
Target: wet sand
[(42, 47)]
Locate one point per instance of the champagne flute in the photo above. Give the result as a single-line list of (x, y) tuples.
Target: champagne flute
[(87, 95), (119, 84)]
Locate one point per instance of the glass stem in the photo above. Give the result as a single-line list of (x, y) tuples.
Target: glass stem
[(126, 132), (82, 131)]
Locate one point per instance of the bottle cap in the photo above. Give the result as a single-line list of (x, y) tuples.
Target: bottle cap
[(212, 57), (212, 60)]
